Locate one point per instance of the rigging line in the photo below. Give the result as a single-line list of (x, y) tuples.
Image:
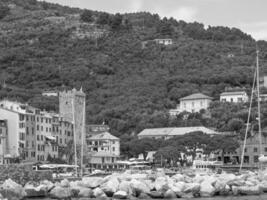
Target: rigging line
[(249, 112), (258, 94)]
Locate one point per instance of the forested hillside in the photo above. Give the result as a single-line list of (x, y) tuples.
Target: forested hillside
[(48, 46)]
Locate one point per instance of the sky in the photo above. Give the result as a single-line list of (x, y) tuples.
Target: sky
[(248, 15)]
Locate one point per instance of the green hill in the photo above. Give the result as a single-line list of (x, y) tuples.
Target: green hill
[(48, 46)]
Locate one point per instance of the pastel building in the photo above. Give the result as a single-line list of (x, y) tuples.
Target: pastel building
[(192, 103), (3, 146), (103, 148), (234, 96)]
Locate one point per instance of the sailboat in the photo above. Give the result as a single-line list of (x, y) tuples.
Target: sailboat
[(262, 158)]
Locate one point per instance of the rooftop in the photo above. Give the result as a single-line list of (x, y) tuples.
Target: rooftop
[(175, 131), (196, 96), (233, 93), (103, 136)]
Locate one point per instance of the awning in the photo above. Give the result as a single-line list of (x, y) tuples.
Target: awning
[(50, 137)]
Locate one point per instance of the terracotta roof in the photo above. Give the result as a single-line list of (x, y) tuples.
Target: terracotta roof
[(175, 131), (103, 136), (196, 96)]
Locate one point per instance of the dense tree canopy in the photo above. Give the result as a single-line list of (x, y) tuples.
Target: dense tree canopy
[(47, 46)]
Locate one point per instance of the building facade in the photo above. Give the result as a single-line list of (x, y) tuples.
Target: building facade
[(3, 146), (234, 97), (192, 103), (103, 148), (34, 135)]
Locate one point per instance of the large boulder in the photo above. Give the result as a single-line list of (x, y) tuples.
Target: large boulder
[(178, 177), (59, 192), (263, 186), (65, 183), (161, 184), (91, 182), (248, 190), (169, 194), (206, 189), (85, 192), (126, 187), (12, 190), (111, 186), (120, 195), (222, 188), (48, 185), (156, 195), (98, 193), (143, 196), (178, 188), (139, 187), (35, 190)]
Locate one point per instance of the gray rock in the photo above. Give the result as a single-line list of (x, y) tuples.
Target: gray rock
[(91, 182), (111, 186), (12, 190), (120, 195), (169, 194), (156, 195), (35, 190), (143, 196), (60, 193)]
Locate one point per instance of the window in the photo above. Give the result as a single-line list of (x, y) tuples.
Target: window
[(37, 119), (27, 130), (37, 128), (27, 143), (193, 104), (41, 120), (42, 128), (32, 144), (46, 129), (255, 149), (60, 141), (33, 131), (245, 150), (113, 148), (232, 100), (37, 137), (42, 137), (256, 159), (265, 149), (239, 99)]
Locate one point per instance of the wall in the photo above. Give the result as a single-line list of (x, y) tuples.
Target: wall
[(233, 98), (23, 174), (13, 130), (194, 105)]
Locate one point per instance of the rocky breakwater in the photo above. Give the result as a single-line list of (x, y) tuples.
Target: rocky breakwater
[(143, 186)]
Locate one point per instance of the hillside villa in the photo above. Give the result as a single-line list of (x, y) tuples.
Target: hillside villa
[(234, 96), (192, 103)]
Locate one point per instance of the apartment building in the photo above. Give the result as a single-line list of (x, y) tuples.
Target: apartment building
[(33, 134), (103, 148)]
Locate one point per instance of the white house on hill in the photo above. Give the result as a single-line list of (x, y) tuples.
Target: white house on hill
[(234, 96), (192, 103)]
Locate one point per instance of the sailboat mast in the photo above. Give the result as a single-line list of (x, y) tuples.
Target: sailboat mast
[(83, 138), (74, 137), (258, 94)]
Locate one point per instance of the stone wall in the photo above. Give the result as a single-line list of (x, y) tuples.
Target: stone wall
[(23, 173)]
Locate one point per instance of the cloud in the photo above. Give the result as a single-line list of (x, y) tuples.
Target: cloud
[(136, 5), (187, 14), (258, 30)]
